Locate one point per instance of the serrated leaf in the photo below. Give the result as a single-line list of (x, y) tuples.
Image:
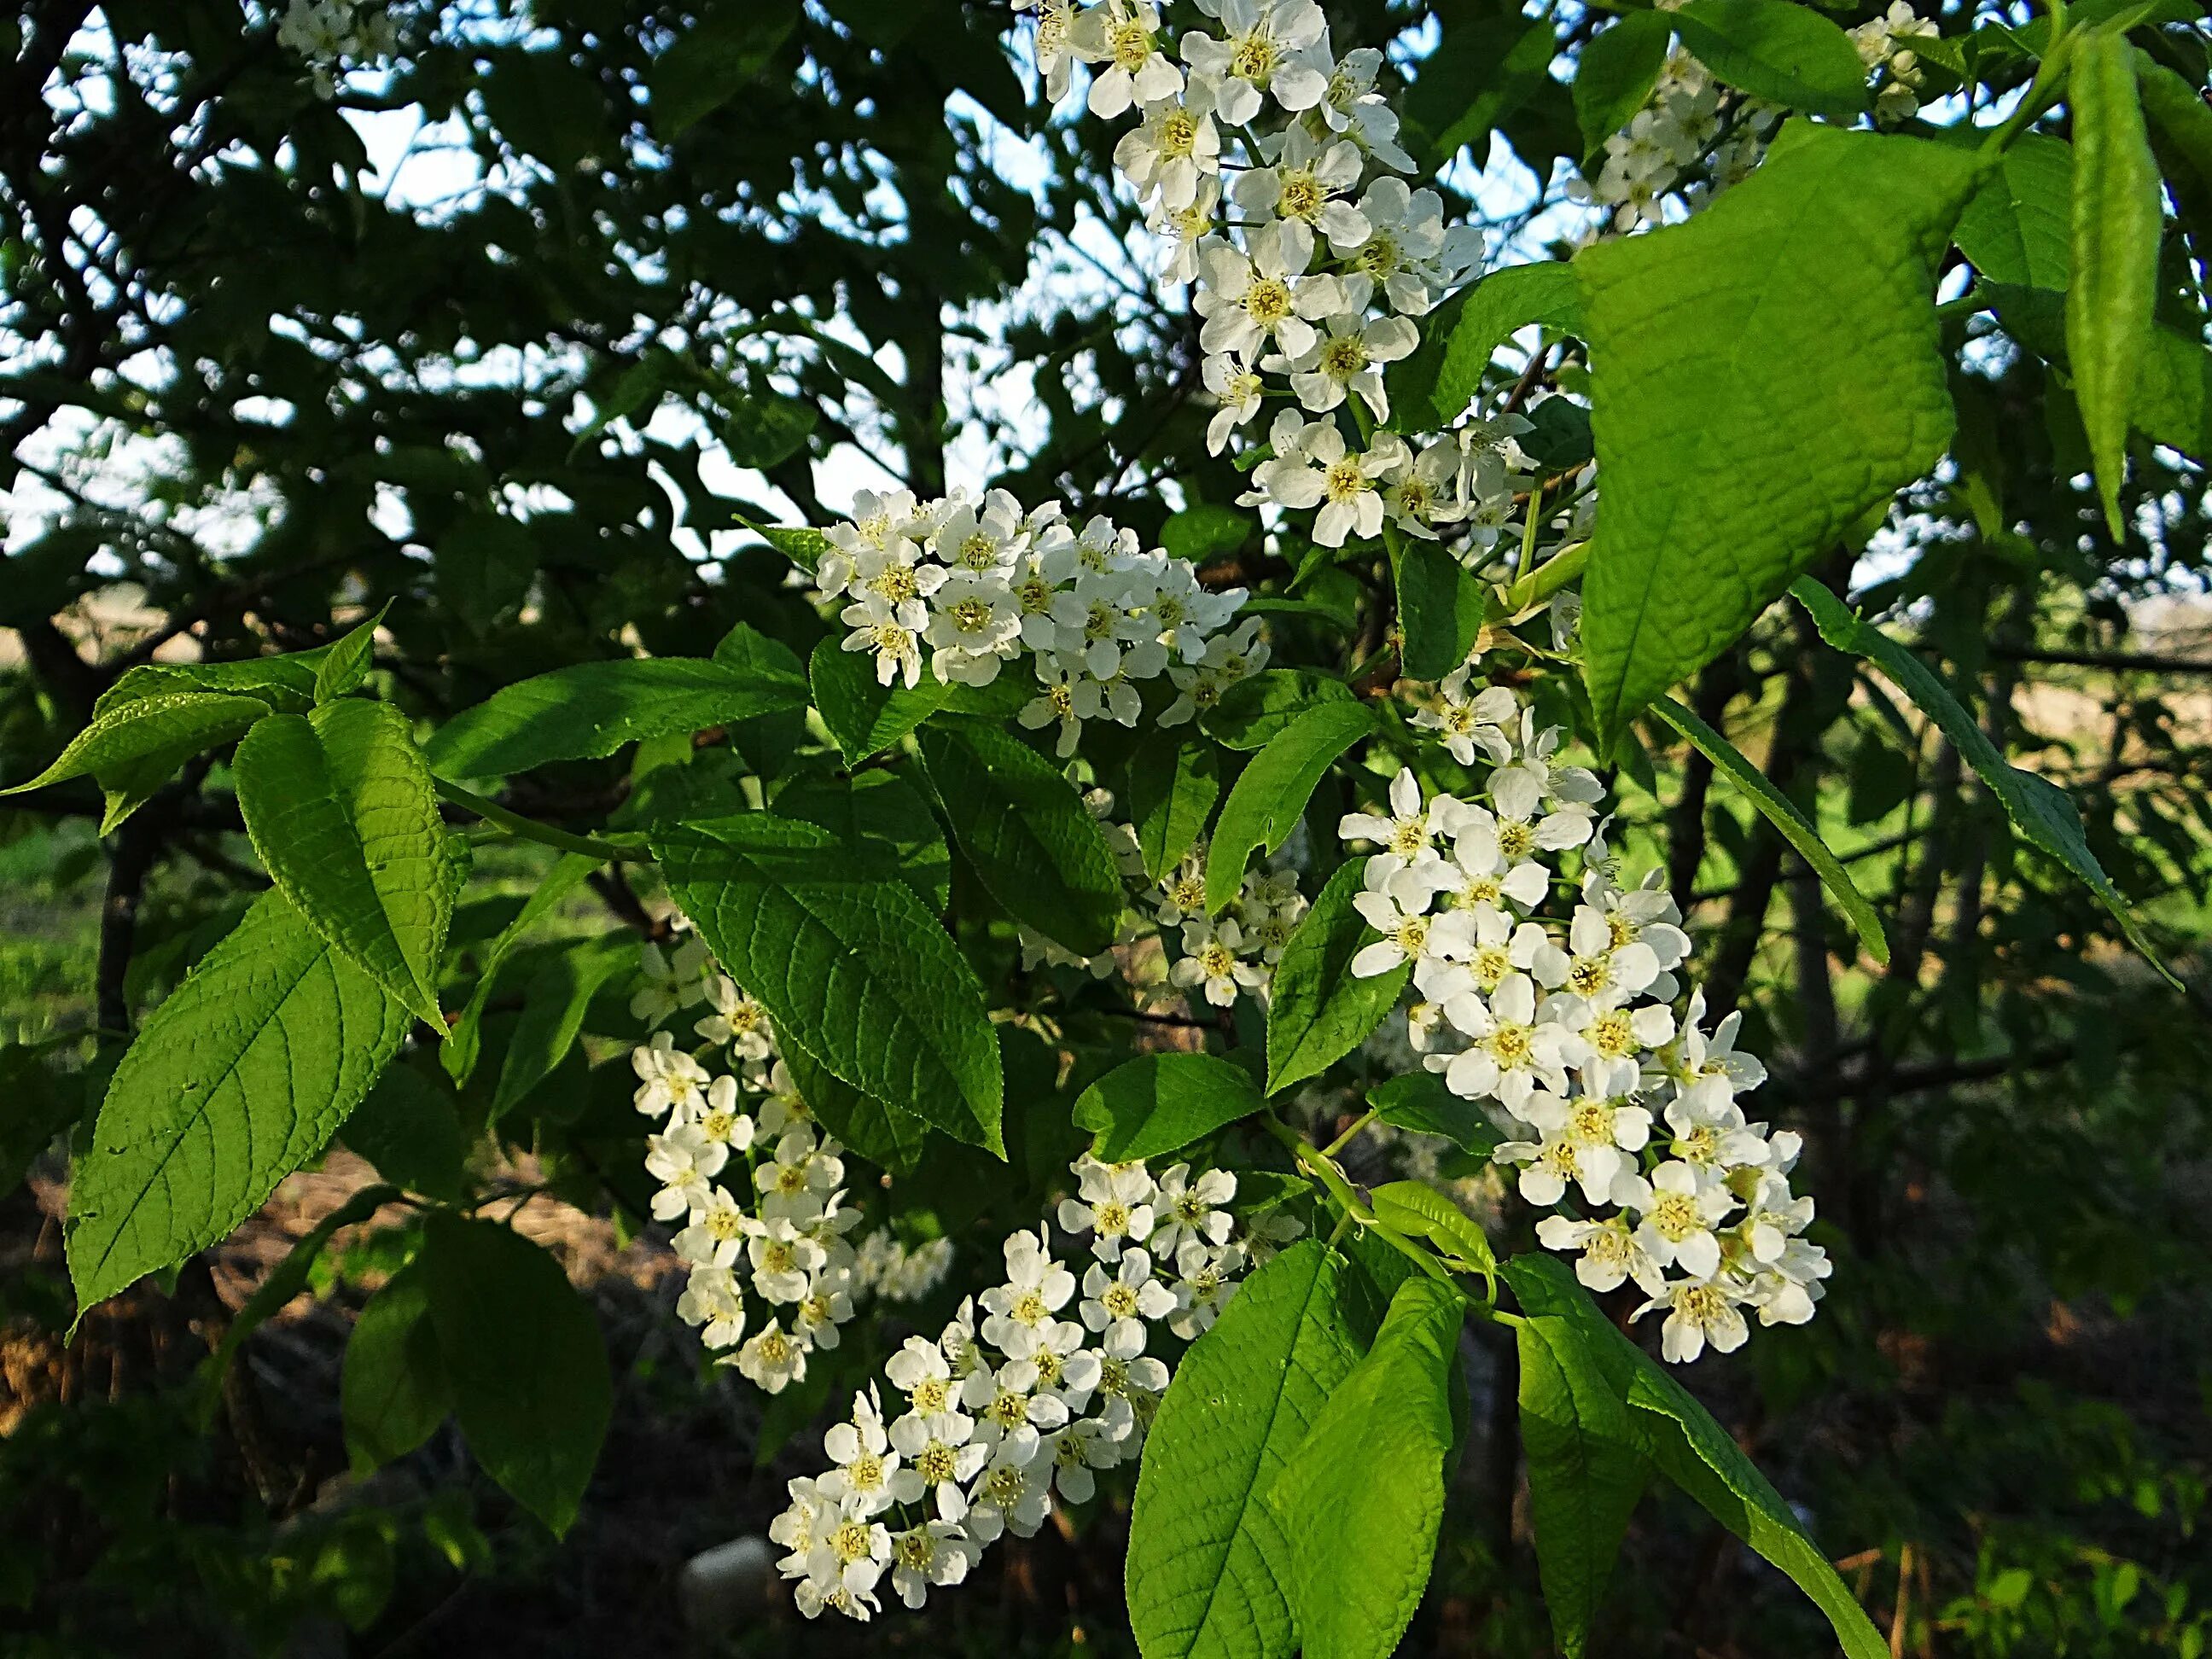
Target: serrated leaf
[(1440, 609), (593, 708), (883, 1134), (554, 1002), (2016, 228), (1027, 832), (2116, 209), (1254, 710), (1781, 52), (1319, 1010), (1458, 339), (149, 736), (845, 958), (1272, 791), (1419, 1211), (801, 544), (1761, 375), (522, 1351), (239, 1078), (1419, 1101), (884, 807), (1785, 815), (1615, 75), (1173, 781), (1360, 1500), (342, 810), (2038, 808), (459, 1053), (393, 1389), (1207, 1566), (1158, 1103), (345, 670), (864, 717), (285, 684)]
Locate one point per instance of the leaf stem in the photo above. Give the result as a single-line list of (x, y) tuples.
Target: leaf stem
[(1345, 1139), (1316, 1164), (529, 829)]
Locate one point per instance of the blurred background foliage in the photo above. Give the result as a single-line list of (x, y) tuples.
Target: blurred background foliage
[(517, 331)]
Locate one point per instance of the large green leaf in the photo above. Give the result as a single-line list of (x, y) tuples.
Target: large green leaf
[(151, 735), (235, 1081), (1158, 1103), (1784, 815), (2110, 302), (846, 959), (343, 812), (1026, 830), (2038, 808), (1440, 608), (864, 716), (1361, 1498), (1272, 791), (1458, 339), (594, 709), (1173, 781), (522, 1351), (2016, 228), (392, 1388), (409, 1128), (1208, 1566), (881, 807), (1781, 52), (285, 684), (886, 1134), (1761, 376), (1318, 1011), (1616, 73)]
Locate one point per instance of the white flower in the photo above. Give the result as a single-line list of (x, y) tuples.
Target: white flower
[(930, 1553), (685, 1162), (1537, 779), (1395, 901), (1408, 254), (1311, 467), (771, 1360), (1307, 183), (717, 1233), (722, 1123), (1010, 1495), (1678, 1208), (1490, 871), (1006, 1403), (1054, 55), (1207, 1280), (865, 1481), (974, 626), (898, 654), (1348, 358), (673, 981), (1587, 1141), (738, 1020), (1082, 1446), (1261, 295), (783, 1261), (1117, 1304), (712, 1300), (669, 1081), (942, 1454), (1193, 1211), (1036, 1288), (1183, 231), (1471, 724), (921, 1371), (1259, 54), (1174, 148), (1115, 1208), (1067, 695), (1124, 38), (1608, 1251), (1414, 827), (1211, 959), (1591, 967), (1511, 1053), (1699, 1311), (795, 1184)]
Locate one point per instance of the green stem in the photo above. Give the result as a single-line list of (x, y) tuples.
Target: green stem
[(1316, 1163), (1345, 1139), (1546, 579), (2043, 91), (491, 811)]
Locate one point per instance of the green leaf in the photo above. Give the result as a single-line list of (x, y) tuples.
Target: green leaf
[(1026, 830), (1271, 793), (392, 1391), (1616, 73), (1783, 54), (2172, 400), (864, 717), (1361, 1498), (554, 1002), (1761, 375), (883, 1134), (523, 1353), (345, 670), (594, 709), (1208, 1567), (409, 1128), (1420, 1211), (2116, 210), (285, 684), (845, 958), (287, 1279), (1254, 710), (1208, 531), (460, 1051), (149, 737), (1785, 815), (1159, 1103), (239, 1078), (1318, 1011), (765, 428), (1459, 338), (342, 810), (2016, 228), (1587, 1469), (1419, 1101), (803, 545), (2038, 808), (1440, 607), (1173, 781), (882, 807), (710, 63)]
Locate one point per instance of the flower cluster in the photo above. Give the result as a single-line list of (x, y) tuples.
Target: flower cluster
[(791, 1246), (1573, 1033), (978, 583), (1020, 1403), (1218, 956), (1689, 118), (332, 35), (1884, 42)]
